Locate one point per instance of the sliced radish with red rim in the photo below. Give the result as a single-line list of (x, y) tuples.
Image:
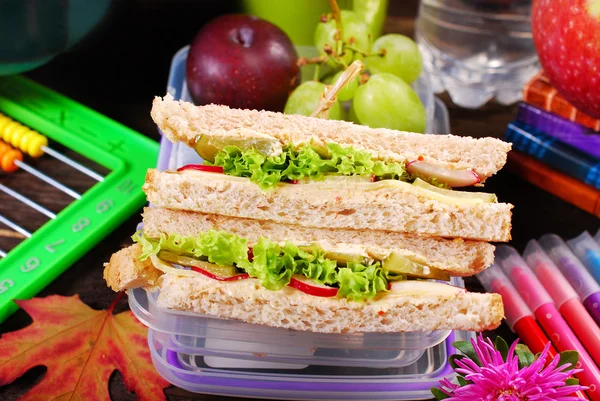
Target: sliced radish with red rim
[(201, 167), (452, 178), (310, 287), (208, 274)]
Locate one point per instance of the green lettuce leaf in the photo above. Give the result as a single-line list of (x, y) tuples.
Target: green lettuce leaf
[(295, 164), (272, 264), (221, 248), (358, 282)]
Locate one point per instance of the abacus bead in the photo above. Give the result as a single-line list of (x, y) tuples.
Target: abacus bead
[(8, 160)]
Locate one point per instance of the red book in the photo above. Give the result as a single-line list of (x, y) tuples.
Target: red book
[(539, 92), (561, 185)]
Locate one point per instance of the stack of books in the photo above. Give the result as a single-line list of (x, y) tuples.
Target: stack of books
[(555, 146)]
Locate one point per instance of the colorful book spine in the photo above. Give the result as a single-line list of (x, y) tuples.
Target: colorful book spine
[(554, 153), (539, 92), (558, 184), (571, 133)]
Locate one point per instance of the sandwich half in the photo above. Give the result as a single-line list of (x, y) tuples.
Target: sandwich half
[(317, 225), (212, 126), (296, 278)]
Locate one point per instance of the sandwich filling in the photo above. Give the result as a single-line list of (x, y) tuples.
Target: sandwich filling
[(225, 256), (317, 162)]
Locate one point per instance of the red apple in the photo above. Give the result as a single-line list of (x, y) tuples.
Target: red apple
[(566, 34), (242, 61)]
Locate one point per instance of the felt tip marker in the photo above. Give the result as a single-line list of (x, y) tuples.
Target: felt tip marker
[(556, 328), (588, 251), (516, 312), (565, 298), (518, 316), (574, 271)]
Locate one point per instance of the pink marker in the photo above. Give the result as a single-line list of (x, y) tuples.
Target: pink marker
[(574, 271), (518, 315), (540, 302), (565, 297)]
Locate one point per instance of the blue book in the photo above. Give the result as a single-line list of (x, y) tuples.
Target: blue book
[(554, 153)]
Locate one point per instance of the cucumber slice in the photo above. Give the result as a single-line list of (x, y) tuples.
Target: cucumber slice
[(340, 257), (221, 271), (401, 265)]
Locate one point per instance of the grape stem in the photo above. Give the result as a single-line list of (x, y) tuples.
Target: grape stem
[(302, 61), (329, 95), (365, 54), (317, 72), (337, 15)]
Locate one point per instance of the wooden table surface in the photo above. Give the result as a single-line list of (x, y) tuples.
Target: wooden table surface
[(119, 69)]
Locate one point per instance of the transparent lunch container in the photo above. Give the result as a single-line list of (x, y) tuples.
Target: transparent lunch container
[(192, 372), (196, 334), (227, 357)]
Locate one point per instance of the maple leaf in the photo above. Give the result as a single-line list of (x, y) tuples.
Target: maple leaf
[(80, 347)]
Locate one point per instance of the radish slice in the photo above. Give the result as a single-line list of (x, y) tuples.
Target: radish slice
[(310, 287), (453, 178), (215, 277), (201, 167)]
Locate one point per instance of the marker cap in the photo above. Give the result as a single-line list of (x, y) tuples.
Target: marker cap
[(568, 264), (529, 287), (493, 279), (549, 275), (588, 251)]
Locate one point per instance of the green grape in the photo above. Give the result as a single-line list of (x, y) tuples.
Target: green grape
[(352, 115), (305, 98), (355, 31), (402, 57), (386, 101), (373, 12), (327, 79), (347, 91)]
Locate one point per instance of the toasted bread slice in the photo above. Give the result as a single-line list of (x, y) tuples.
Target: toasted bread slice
[(456, 256), (385, 205), (183, 121), (415, 307)]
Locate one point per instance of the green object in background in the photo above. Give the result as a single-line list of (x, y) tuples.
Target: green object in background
[(298, 18), (34, 32), (37, 261)]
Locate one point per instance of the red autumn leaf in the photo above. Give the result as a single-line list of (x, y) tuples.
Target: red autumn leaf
[(80, 347)]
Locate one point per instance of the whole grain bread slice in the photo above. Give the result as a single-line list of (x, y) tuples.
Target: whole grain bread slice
[(393, 206), (456, 256), (444, 308), (183, 121)]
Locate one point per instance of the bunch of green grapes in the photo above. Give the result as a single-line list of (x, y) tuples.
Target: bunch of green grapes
[(382, 95)]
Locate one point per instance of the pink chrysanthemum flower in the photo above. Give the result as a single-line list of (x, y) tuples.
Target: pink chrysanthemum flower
[(497, 380)]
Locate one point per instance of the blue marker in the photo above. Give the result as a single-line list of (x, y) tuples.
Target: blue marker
[(588, 251)]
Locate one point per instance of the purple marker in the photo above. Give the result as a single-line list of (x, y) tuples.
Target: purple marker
[(574, 271)]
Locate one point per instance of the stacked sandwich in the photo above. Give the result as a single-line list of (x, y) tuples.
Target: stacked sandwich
[(317, 225)]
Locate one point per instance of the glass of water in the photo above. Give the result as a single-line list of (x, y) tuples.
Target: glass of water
[(477, 49)]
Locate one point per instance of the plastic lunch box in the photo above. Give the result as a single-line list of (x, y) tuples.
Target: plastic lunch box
[(231, 358)]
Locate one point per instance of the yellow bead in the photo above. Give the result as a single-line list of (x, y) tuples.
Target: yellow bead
[(21, 137), (33, 145)]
